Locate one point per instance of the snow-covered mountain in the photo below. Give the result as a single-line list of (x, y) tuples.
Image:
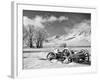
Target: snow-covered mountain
[(81, 38)]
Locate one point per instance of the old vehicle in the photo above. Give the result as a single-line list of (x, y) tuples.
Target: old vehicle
[(68, 56), (82, 56), (59, 55)]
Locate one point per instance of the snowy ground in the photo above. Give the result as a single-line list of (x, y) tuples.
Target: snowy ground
[(35, 60)]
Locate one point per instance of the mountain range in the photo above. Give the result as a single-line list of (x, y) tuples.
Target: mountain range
[(81, 38)]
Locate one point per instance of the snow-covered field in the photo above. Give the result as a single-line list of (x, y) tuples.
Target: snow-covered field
[(35, 59)]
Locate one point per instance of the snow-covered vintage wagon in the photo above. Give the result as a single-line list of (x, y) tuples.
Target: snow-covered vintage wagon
[(68, 56)]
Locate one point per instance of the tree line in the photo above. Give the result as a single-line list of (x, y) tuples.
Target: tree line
[(34, 37)]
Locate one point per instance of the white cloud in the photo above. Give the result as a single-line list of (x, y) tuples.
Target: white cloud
[(27, 21), (51, 19), (63, 18), (38, 21), (84, 26)]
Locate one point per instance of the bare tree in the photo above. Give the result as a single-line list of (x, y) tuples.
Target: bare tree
[(28, 32), (31, 33), (40, 35), (34, 35), (25, 37)]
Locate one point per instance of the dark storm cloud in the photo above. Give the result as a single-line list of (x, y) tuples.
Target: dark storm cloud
[(32, 14)]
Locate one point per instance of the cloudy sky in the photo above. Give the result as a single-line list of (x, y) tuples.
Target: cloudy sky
[(57, 23)]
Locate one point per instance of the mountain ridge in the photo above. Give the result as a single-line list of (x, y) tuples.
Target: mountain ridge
[(73, 39)]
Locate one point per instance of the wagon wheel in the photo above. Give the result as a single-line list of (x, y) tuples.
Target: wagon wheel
[(51, 56), (83, 51), (67, 52), (69, 59), (86, 55)]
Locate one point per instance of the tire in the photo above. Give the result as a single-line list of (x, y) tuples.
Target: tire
[(51, 56), (70, 59)]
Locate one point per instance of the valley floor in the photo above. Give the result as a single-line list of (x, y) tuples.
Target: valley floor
[(36, 60)]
